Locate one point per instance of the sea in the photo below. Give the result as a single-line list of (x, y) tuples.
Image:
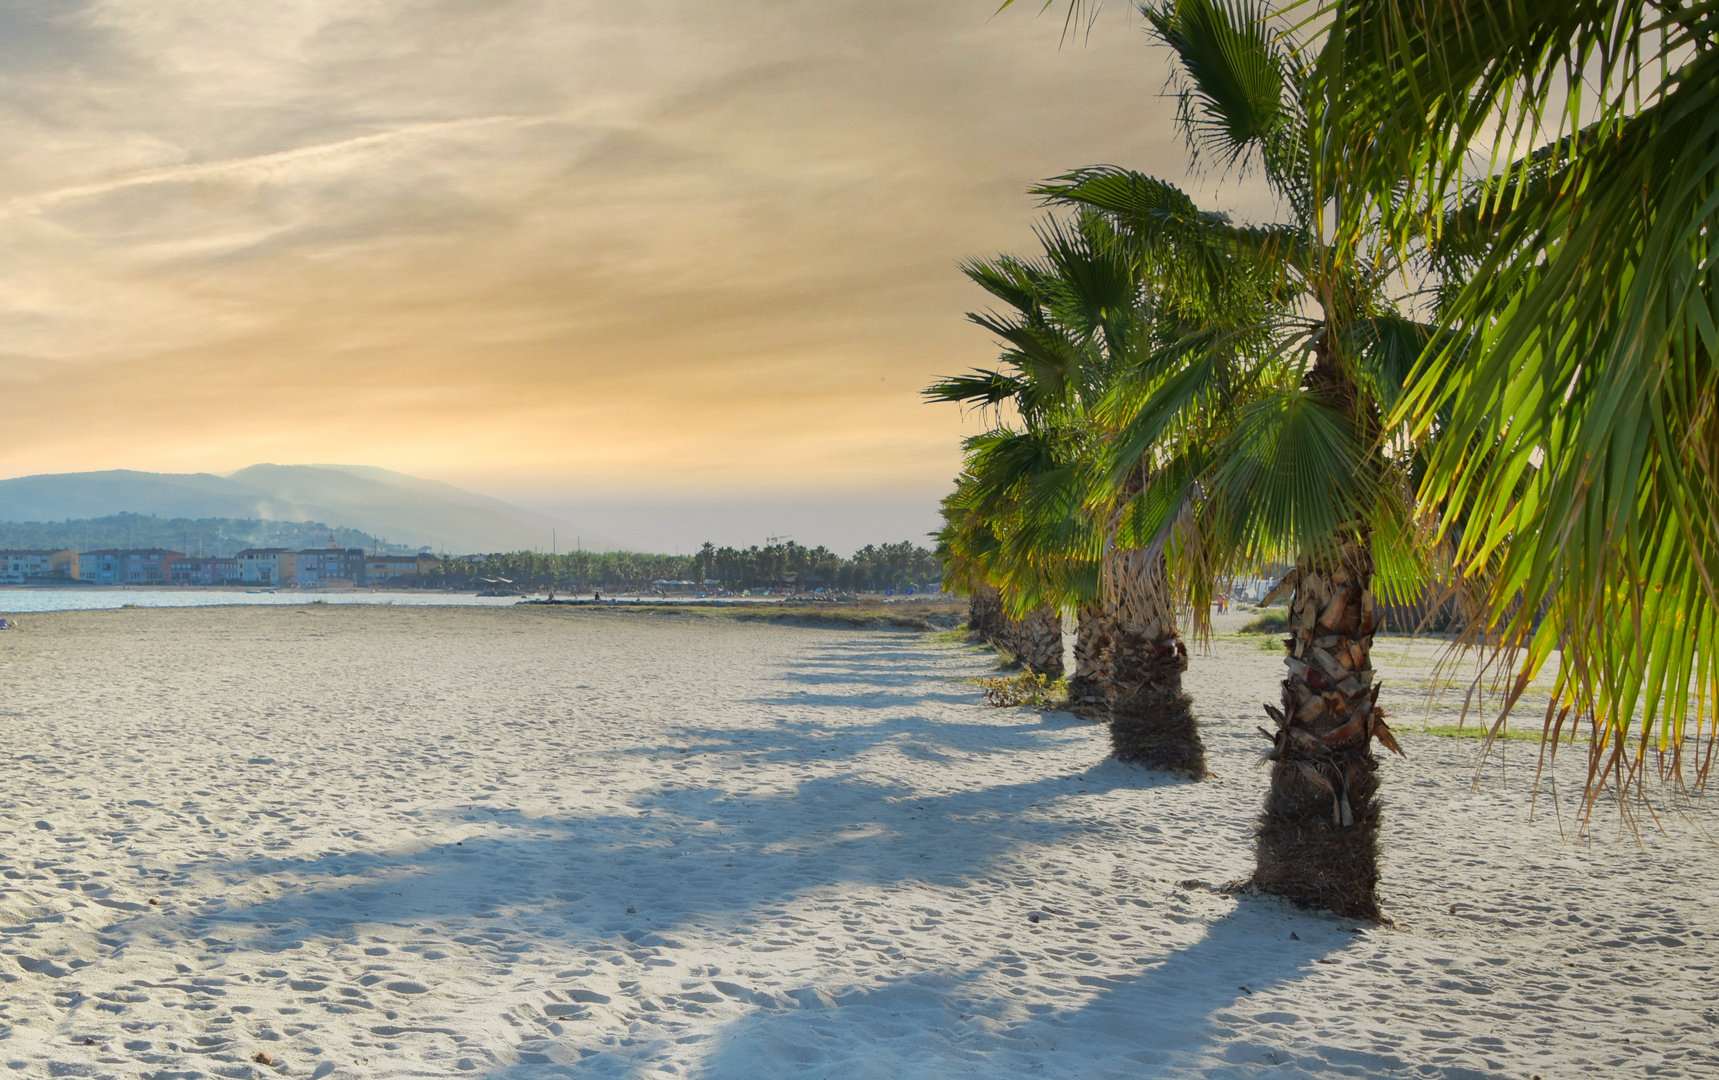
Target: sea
[(25, 601)]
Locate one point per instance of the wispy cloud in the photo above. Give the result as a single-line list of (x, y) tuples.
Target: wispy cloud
[(527, 244), (278, 165)]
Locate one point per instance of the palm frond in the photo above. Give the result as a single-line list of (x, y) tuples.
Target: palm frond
[(1235, 82), (1293, 478), (1573, 469), (980, 388)]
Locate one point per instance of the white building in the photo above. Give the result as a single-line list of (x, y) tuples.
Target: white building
[(17, 567), (267, 566)]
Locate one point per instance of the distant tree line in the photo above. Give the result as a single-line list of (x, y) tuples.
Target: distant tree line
[(773, 566), (205, 536)]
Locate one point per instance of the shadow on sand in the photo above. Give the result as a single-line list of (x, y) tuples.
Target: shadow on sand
[(722, 859)]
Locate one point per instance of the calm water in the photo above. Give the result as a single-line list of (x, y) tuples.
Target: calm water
[(16, 601)]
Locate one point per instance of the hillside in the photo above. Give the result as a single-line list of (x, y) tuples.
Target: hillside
[(400, 510), (208, 536)]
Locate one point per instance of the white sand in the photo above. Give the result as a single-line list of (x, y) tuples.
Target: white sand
[(529, 843)]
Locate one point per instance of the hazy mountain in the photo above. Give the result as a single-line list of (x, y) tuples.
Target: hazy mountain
[(398, 508), (200, 536)]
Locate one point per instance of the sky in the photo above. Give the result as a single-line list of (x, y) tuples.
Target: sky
[(582, 256)]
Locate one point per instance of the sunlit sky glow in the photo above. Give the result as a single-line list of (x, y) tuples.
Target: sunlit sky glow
[(538, 249)]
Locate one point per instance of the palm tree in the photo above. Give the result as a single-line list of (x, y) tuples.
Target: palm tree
[(1296, 469), (975, 563), (1084, 319), (1577, 418), (996, 515)]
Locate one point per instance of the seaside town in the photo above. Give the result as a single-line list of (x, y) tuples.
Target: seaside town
[(331, 567), (888, 569)]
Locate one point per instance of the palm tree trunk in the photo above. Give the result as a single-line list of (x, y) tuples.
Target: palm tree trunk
[(1036, 641), (1151, 719), (985, 613), (1088, 685), (1318, 837)]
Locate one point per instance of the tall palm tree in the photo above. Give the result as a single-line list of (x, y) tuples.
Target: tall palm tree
[(1040, 560), (1080, 321), (1182, 364), (1578, 419), (1298, 469), (1013, 601)]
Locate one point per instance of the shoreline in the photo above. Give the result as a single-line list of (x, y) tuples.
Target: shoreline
[(897, 613)]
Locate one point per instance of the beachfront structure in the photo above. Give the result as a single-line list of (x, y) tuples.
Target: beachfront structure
[(203, 570), (17, 567), (330, 566), (381, 568), (276, 567), (148, 566), (267, 566), (101, 567), (113, 566)]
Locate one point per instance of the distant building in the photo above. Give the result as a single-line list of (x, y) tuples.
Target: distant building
[(149, 566), (399, 569), (330, 566), (17, 567), (267, 566), (101, 567), (203, 570), (112, 566)]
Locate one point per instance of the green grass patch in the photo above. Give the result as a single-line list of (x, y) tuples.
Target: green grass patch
[(930, 616), (1026, 688), (957, 636), (1269, 622)]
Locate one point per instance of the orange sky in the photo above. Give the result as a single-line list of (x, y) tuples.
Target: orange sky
[(530, 247)]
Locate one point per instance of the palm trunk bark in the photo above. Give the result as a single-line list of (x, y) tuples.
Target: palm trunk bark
[(1036, 641), (1151, 719), (1088, 685), (985, 613), (1318, 837)]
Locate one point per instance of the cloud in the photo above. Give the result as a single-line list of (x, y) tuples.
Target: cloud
[(567, 246), (281, 166)]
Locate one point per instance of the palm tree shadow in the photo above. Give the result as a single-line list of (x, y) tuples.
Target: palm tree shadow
[(1194, 1009), (869, 699), (868, 664), (680, 854), (685, 859), (867, 667)]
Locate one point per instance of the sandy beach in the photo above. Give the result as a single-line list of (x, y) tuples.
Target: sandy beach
[(532, 842)]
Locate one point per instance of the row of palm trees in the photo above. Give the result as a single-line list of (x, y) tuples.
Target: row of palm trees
[(1489, 370)]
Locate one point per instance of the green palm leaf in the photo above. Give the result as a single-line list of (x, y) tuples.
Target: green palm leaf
[(1233, 74), (1574, 468)]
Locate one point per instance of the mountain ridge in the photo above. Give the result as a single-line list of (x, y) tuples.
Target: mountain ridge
[(397, 507)]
